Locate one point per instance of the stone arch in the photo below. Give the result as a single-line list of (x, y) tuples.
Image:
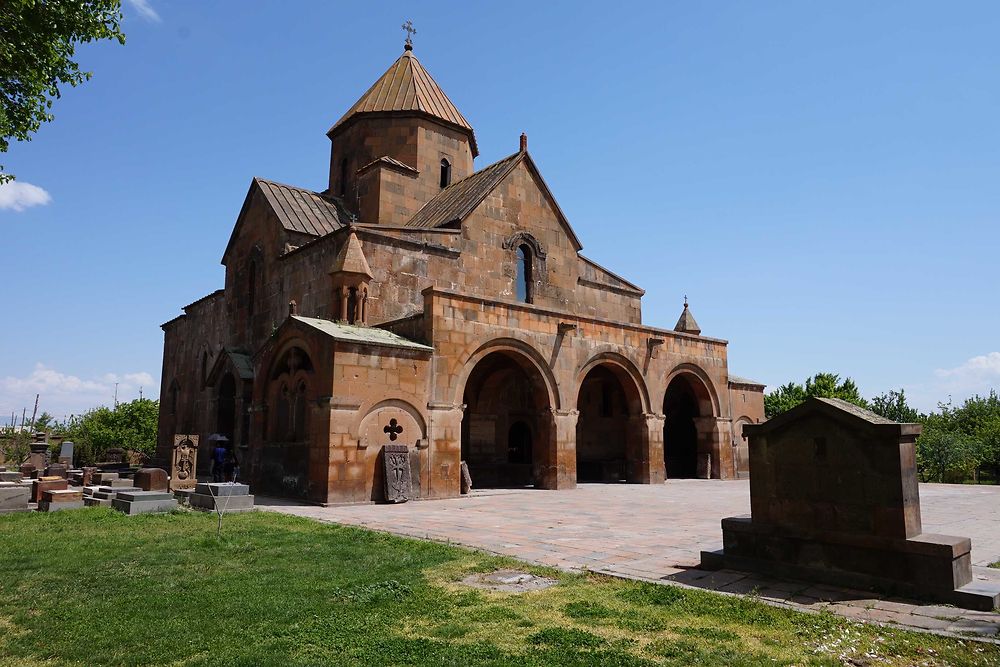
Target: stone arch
[(612, 403), (691, 441), (392, 421), (626, 371), (289, 390), (520, 350), (741, 447), (524, 238), (507, 431)]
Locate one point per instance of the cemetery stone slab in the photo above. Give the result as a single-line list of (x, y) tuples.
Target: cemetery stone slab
[(222, 489), (57, 470), (10, 476), (151, 479), (62, 496), (28, 470), (90, 501), (103, 477), (834, 498), (45, 506), (184, 462), (397, 473), (157, 505), (40, 486), (66, 453), (14, 499)]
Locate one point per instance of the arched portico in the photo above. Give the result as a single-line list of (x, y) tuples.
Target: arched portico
[(611, 433), (689, 428)]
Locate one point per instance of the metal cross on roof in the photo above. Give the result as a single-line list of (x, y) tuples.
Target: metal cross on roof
[(410, 32)]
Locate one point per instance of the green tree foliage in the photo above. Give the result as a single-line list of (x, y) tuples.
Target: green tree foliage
[(821, 385), (128, 426), (38, 39), (892, 405)]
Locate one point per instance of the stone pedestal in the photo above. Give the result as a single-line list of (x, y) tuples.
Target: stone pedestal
[(221, 496), (834, 499), (143, 502), (39, 456)]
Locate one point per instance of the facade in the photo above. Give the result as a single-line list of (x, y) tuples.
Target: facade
[(419, 301)]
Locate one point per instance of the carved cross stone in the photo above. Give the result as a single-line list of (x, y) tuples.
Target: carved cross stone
[(397, 473)]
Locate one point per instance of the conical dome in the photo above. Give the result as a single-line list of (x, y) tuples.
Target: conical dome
[(407, 87), (351, 259)]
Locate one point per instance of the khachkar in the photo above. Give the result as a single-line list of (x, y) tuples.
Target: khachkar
[(397, 472), (184, 463), (834, 498)]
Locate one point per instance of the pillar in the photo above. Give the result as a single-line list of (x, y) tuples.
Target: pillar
[(555, 467), (443, 460), (645, 449)]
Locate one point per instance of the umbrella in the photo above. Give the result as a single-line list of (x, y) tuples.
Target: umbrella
[(217, 437)]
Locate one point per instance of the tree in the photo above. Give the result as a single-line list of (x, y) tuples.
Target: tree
[(821, 385), (129, 425), (892, 405), (37, 44)]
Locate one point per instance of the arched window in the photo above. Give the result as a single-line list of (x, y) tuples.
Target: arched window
[(445, 173), (252, 288), (343, 177), (523, 279), (352, 305), (175, 390)]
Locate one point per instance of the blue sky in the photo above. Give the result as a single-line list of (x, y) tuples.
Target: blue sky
[(820, 180)]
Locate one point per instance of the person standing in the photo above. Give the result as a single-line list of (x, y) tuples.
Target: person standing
[(219, 462)]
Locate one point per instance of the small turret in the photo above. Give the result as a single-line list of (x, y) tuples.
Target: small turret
[(351, 276), (686, 323)]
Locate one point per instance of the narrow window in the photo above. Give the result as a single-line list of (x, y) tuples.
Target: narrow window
[(204, 367), (445, 173), (523, 279), (352, 305), (175, 390), (252, 288), (343, 177)]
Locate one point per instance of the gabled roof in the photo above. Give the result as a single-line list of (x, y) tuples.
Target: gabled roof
[(406, 86), (458, 200), (301, 210), (836, 409), (391, 162), (356, 334), (297, 209), (241, 362)]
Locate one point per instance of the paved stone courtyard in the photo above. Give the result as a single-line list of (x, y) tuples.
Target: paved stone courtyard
[(656, 532)]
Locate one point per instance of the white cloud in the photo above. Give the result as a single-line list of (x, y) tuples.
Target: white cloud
[(18, 195), (62, 394), (145, 10), (977, 375)]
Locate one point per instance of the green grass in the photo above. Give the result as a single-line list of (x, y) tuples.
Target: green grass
[(996, 564), (94, 587)]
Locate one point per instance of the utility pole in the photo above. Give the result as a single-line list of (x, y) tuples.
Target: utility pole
[(116, 394), (34, 412), (140, 392)]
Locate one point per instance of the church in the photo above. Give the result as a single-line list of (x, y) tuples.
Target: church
[(421, 301)]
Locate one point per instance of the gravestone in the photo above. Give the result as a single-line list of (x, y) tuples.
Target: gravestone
[(14, 498), (184, 462), (397, 473), (10, 476), (57, 470), (103, 477), (66, 453), (221, 496), (151, 479), (40, 486), (834, 498), (143, 502), (39, 454), (88, 475), (28, 470), (466, 479), (60, 499)]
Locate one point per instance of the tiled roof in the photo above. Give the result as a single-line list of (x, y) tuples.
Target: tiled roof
[(301, 210), (736, 379), (459, 199), (355, 334), (406, 86), (392, 162)]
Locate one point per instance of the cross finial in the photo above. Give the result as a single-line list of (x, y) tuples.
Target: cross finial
[(685, 300), (410, 32)]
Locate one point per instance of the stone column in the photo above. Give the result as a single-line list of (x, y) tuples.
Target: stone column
[(645, 449), (715, 456), (555, 467), (443, 460)]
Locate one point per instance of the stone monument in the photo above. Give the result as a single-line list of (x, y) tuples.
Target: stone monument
[(221, 496), (60, 499), (143, 502), (184, 462), (66, 453), (397, 473), (834, 498), (151, 479), (14, 497)]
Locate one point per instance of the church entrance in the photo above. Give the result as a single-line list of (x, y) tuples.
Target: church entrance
[(605, 432), (680, 432), (506, 421), (225, 422)]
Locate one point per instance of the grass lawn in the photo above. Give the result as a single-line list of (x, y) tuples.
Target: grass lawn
[(94, 587)]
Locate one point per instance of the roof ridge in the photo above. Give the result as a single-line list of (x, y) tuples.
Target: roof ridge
[(498, 170)]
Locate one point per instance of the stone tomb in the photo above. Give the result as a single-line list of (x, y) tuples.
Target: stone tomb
[(221, 496), (834, 498), (10, 476), (103, 495), (61, 499), (184, 462), (143, 502), (151, 479), (57, 470), (14, 497), (397, 473), (43, 484)]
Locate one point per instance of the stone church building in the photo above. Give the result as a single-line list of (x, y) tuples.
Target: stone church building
[(420, 301)]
